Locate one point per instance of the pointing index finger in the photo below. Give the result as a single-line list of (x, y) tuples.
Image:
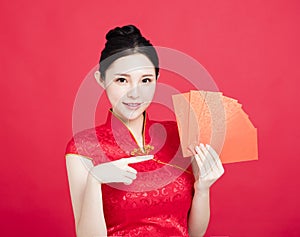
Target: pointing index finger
[(137, 159)]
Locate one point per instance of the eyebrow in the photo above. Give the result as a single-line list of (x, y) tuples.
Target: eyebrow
[(127, 75)]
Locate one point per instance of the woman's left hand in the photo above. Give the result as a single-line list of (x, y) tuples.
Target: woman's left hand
[(207, 166)]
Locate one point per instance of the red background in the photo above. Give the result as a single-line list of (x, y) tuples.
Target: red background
[(251, 48)]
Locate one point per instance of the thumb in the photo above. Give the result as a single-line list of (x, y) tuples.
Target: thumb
[(137, 159)]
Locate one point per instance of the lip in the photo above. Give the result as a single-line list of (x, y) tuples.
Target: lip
[(132, 106)]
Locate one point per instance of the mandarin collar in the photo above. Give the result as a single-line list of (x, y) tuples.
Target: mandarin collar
[(124, 137)]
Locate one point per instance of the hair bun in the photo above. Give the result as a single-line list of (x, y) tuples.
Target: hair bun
[(123, 31)]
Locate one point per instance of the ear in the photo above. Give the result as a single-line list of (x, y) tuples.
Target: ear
[(99, 79)]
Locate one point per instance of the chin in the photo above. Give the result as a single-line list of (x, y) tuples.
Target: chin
[(132, 115)]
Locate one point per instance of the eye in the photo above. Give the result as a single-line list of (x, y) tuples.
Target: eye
[(146, 80), (122, 80)]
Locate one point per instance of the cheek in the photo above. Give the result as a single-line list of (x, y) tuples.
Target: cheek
[(148, 91), (115, 94)]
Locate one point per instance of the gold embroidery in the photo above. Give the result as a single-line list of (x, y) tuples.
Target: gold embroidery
[(147, 148), (74, 154), (139, 151), (174, 166)]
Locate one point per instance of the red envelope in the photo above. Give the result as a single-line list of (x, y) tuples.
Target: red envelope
[(210, 117)]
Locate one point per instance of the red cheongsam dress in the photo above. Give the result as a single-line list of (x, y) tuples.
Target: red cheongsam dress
[(158, 201)]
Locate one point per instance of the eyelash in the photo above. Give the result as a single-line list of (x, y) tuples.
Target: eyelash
[(149, 79), (122, 79)]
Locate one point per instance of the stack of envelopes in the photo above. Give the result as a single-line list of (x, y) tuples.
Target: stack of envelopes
[(212, 118)]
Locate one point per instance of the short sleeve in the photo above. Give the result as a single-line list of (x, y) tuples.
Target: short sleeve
[(71, 148), (87, 144), (76, 148)]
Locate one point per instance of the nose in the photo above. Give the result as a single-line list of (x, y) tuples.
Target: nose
[(133, 92)]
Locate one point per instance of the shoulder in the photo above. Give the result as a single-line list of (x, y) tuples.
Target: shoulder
[(86, 142)]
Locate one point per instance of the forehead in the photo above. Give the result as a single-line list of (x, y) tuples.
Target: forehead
[(131, 63)]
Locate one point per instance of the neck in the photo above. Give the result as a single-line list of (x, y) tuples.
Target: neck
[(135, 126)]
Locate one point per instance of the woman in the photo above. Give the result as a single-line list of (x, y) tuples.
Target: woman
[(132, 180)]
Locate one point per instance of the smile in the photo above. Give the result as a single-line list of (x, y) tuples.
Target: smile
[(132, 105)]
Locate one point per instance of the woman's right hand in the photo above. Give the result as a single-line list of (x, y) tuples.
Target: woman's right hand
[(118, 170)]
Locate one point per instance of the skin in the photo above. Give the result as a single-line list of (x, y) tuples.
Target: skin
[(207, 169), (130, 80)]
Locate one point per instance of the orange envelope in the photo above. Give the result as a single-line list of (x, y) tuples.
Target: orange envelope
[(181, 105), (210, 117)]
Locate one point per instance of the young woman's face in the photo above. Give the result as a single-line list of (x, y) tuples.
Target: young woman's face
[(130, 85)]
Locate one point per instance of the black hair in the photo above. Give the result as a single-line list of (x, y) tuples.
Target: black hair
[(124, 41)]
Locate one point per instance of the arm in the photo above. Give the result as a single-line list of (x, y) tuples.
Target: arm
[(199, 213), (86, 198), (85, 188), (207, 168)]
